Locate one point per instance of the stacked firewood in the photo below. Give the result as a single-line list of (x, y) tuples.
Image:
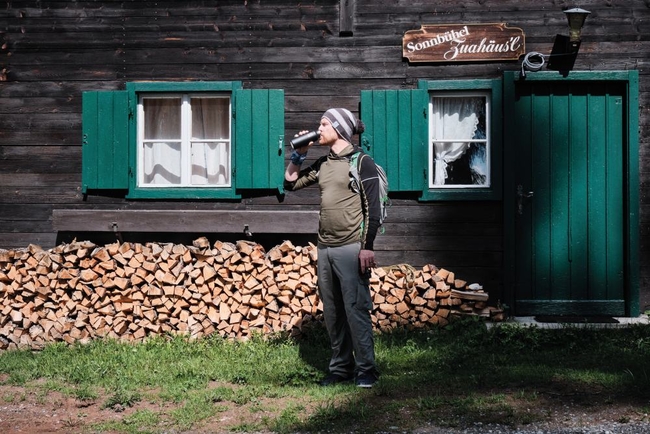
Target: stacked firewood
[(79, 291)]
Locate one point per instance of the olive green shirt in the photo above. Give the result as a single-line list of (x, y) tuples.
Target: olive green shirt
[(341, 213)]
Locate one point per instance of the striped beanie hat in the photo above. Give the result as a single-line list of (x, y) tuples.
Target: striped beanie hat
[(344, 122)]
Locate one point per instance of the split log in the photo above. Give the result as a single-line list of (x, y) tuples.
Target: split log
[(80, 291)]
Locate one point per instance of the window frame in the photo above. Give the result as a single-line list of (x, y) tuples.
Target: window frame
[(185, 112), (137, 89), (493, 89)]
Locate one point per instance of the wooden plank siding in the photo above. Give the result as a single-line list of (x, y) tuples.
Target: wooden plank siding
[(52, 51)]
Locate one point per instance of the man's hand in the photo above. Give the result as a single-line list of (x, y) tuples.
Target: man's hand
[(366, 260), (303, 149)]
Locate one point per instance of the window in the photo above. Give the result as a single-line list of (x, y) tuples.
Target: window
[(184, 140), (194, 140), (442, 140), (465, 139), (459, 151)]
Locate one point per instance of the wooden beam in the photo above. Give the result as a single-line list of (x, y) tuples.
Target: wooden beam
[(213, 221), (346, 17)]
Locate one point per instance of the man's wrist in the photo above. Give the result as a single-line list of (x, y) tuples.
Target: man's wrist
[(297, 158)]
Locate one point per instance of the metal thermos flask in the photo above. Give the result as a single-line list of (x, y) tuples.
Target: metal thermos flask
[(300, 141)]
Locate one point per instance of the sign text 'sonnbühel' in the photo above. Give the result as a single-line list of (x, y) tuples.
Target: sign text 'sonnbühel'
[(463, 43)]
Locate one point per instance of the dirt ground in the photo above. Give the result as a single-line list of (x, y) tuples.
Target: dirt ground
[(24, 411), (30, 411)]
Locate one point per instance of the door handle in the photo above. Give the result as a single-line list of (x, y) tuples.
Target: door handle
[(520, 198)]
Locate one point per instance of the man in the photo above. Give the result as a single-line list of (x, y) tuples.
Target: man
[(348, 224)]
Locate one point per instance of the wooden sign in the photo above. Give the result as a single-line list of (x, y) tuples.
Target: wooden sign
[(463, 43)]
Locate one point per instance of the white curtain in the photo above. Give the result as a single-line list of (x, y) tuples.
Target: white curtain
[(163, 154), (210, 163), (162, 148), (210, 159), (453, 119), (162, 163)]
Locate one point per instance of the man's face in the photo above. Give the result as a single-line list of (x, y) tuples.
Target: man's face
[(328, 134)]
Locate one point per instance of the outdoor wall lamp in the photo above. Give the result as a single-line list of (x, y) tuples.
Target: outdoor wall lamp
[(565, 49), (576, 17)]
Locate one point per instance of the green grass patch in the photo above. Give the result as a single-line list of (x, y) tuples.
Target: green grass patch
[(456, 376)]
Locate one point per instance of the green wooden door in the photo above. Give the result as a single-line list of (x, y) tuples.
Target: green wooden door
[(568, 142)]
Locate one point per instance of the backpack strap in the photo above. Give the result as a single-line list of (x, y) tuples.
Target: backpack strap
[(357, 186)]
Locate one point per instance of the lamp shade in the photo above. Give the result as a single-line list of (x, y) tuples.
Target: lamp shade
[(576, 17)]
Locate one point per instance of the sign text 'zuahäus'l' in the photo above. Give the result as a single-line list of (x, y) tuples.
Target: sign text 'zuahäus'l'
[(463, 43)]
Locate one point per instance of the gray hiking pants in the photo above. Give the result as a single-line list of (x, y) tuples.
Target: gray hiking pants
[(346, 307)]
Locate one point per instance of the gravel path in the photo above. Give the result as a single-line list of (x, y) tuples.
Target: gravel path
[(605, 428)]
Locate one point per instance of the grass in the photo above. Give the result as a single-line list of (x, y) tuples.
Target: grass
[(456, 376)]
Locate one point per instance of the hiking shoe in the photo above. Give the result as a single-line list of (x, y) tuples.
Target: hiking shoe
[(366, 380), (333, 379)]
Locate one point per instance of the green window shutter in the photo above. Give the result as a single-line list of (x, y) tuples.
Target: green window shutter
[(105, 142), (259, 139), (396, 135)]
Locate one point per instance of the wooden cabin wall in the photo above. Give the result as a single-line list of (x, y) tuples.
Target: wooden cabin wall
[(52, 51)]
